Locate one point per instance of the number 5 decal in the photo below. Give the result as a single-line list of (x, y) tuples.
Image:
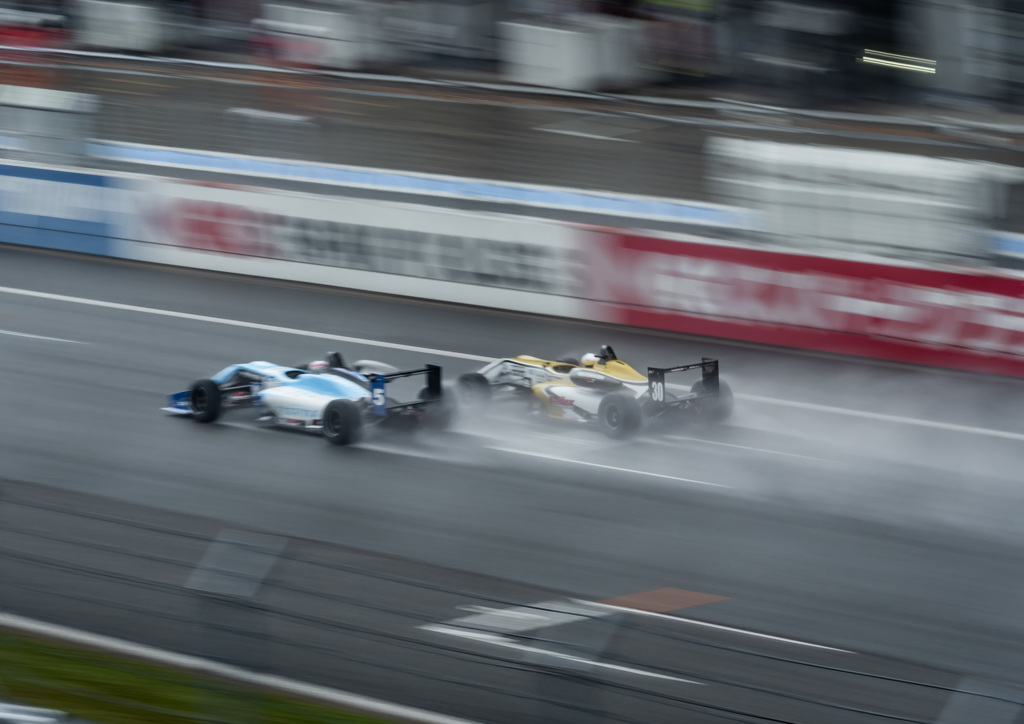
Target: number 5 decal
[(377, 396)]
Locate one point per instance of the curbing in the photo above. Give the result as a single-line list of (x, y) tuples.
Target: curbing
[(353, 702)]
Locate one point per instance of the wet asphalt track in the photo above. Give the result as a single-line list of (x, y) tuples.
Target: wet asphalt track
[(868, 508)]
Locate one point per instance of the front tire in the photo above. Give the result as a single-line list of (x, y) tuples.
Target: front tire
[(205, 401), (474, 388), (342, 423), (619, 416)]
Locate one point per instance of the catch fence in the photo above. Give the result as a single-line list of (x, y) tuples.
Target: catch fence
[(466, 130)]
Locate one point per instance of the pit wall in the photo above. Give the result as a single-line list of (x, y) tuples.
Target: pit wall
[(930, 315)]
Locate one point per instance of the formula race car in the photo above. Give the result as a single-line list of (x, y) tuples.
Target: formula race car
[(602, 390), (323, 396)]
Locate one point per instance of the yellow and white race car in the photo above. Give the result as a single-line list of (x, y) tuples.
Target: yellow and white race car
[(600, 389)]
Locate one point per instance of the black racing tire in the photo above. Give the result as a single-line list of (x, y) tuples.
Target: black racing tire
[(439, 415), (342, 423), (474, 388), (619, 416), (427, 394), (721, 410), (204, 400)]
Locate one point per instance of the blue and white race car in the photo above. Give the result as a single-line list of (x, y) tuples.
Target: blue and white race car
[(323, 396)]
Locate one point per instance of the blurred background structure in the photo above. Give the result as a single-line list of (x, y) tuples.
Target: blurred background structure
[(506, 90), (810, 52), (879, 131)]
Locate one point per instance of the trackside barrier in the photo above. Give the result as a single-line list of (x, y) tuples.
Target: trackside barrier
[(256, 167), (288, 687), (57, 209), (934, 315)]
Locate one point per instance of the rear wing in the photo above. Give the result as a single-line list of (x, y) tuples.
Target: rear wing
[(656, 380), (378, 396)]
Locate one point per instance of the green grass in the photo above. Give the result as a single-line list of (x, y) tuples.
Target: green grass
[(115, 690)]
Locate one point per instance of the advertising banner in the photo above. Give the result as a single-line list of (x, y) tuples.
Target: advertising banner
[(378, 246), (961, 319), (940, 316), (56, 209)]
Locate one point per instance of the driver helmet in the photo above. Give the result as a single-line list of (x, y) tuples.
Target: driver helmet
[(318, 367), (590, 359)]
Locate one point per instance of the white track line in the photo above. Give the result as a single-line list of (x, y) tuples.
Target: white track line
[(529, 453), (562, 440), (290, 687), (886, 418), (677, 619), (481, 358), (497, 640), (240, 323), (730, 444), (38, 336), (594, 136)]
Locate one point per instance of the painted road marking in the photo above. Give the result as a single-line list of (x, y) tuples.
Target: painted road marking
[(239, 323), (885, 417), (520, 619), (663, 600), (481, 358), (580, 134), (381, 447), (236, 563), (720, 627), (39, 336), (730, 444), (561, 439), (493, 625), (614, 468), (539, 654)]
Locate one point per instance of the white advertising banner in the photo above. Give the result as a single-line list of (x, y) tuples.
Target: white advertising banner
[(492, 260)]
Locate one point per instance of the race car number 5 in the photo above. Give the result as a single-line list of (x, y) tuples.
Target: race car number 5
[(658, 391), (378, 397)]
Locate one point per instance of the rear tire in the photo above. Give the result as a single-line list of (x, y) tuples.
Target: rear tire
[(427, 394), (205, 401), (619, 416), (439, 414), (474, 388), (715, 411), (342, 423)]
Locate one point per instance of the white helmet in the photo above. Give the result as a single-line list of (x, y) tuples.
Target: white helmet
[(318, 367), (590, 359)]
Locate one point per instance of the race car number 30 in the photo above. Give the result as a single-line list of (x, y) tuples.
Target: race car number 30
[(658, 391)]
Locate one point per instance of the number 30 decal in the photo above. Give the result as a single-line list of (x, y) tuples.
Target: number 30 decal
[(658, 391)]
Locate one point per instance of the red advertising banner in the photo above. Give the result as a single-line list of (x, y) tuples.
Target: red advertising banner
[(967, 319)]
